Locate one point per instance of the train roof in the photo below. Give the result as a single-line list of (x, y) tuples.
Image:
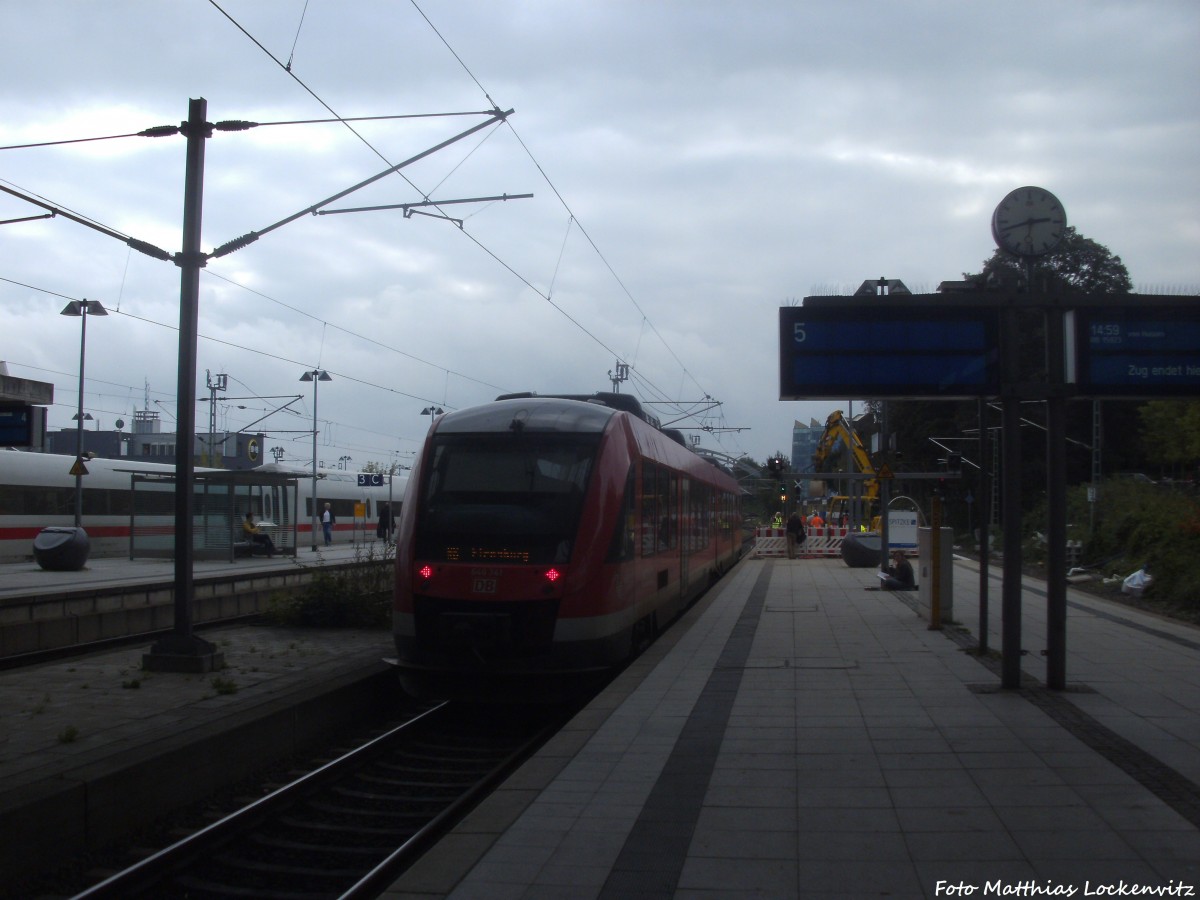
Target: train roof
[(623, 402), (528, 413), (581, 413)]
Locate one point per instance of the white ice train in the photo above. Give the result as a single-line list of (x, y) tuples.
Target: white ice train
[(37, 490)]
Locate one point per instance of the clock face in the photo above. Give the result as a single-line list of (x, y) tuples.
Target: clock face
[(1029, 222)]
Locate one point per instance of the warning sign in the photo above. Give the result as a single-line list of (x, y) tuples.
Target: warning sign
[(79, 468)]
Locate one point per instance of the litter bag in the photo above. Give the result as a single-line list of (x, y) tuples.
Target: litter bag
[(1136, 583)]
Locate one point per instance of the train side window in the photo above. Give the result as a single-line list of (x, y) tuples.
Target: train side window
[(655, 513), (699, 522), (95, 501), (673, 492), (120, 502), (660, 510), (624, 538)]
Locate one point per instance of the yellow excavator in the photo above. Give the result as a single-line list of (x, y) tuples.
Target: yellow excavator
[(839, 434)]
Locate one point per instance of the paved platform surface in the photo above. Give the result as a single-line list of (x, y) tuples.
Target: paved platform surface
[(22, 580), (800, 736)]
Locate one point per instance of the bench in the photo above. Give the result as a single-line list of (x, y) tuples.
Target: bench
[(246, 548)]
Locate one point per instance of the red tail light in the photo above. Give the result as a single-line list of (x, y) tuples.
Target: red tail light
[(552, 575), (425, 572)]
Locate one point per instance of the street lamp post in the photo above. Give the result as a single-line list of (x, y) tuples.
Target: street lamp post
[(82, 309), (315, 376), (432, 411)]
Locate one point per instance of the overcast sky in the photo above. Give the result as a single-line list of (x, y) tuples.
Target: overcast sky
[(695, 165)]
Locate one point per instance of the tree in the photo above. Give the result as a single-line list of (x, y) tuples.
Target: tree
[(1077, 265), (1171, 432)]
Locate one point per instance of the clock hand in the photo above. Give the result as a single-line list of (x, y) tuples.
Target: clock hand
[(1027, 222)]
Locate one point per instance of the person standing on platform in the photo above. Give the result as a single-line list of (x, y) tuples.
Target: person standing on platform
[(796, 534), (327, 521), (383, 530), (816, 521)]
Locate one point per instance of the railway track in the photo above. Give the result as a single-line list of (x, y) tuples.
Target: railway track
[(347, 829)]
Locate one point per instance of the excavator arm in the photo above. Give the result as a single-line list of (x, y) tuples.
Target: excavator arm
[(838, 434)]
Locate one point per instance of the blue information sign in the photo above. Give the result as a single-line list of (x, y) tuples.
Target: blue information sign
[(16, 426), (1134, 351), (882, 352)]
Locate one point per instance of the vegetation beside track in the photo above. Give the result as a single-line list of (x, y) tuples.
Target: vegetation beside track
[(1134, 525), (354, 596)]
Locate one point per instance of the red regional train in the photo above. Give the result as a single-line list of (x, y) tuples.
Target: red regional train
[(551, 536)]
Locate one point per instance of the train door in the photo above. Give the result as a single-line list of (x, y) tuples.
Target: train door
[(685, 533), (287, 516)]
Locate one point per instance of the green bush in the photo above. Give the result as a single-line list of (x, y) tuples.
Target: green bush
[(1153, 526), (354, 596)]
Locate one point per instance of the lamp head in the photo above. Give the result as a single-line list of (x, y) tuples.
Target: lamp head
[(82, 307)]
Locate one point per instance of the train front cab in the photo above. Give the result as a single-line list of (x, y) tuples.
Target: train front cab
[(490, 546), (555, 553)]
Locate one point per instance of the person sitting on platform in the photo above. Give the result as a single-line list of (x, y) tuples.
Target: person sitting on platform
[(255, 535), (899, 575)]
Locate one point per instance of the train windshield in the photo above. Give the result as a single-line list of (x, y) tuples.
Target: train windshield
[(504, 498)]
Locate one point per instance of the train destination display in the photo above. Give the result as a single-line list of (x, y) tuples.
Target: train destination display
[(1134, 351), (888, 352)]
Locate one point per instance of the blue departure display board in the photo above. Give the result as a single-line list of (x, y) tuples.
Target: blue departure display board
[(882, 352), (16, 426), (1135, 351)]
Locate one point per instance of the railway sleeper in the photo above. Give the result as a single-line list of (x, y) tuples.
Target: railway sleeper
[(381, 820), (274, 842), (206, 887), (402, 786), (316, 832), (278, 870), (426, 798)]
